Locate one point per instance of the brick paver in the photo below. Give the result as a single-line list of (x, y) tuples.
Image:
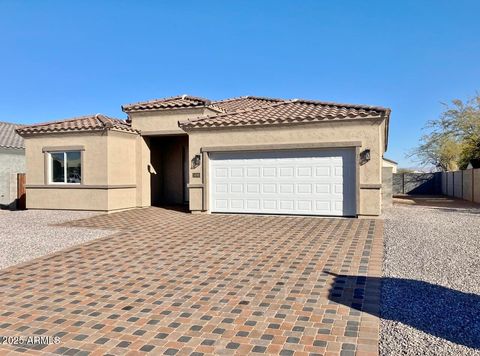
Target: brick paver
[(174, 283)]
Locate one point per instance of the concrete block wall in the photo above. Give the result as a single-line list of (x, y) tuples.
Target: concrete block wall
[(467, 185), (387, 185), (444, 182), (458, 184), (462, 184), (450, 184), (417, 183), (476, 185)]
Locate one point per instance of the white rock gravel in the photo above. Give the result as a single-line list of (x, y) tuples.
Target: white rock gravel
[(431, 288), (25, 235)]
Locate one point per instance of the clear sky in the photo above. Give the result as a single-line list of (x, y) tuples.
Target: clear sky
[(67, 58)]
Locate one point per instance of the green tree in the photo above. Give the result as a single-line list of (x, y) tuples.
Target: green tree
[(453, 139)]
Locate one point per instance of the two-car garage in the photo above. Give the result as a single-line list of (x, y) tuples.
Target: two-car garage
[(303, 182)]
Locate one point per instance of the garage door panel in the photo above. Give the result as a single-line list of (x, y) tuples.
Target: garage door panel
[(236, 172), (269, 204), (286, 188), (269, 172), (322, 171), (221, 172), (253, 204), (221, 188), (236, 187), (303, 188), (322, 188), (313, 182), (221, 203), (286, 172), (304, 205), (269, 188)]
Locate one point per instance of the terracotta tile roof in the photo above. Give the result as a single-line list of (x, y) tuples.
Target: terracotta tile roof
[(285, 112), (174, 102), (244, 102), (83, 123), (8, 137)]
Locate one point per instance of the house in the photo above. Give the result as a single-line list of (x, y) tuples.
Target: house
[(474, 163), (12, 161), (391, 164), (240, 155)]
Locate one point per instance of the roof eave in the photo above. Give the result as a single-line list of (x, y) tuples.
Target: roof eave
[(3, 147), (100, 129), (186, 125)]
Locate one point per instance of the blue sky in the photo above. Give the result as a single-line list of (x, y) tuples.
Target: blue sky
[(62, 58)]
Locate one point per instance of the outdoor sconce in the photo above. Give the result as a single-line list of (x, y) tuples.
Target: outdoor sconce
[(196, 161), (365, 156)]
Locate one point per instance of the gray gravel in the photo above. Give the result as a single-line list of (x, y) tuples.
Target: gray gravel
[(431, 289), (25, 235)]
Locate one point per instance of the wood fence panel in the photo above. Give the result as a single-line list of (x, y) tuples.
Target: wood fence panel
[(21, 191)]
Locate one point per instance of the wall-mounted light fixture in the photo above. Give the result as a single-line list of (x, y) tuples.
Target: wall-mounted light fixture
[(365, 156), (196, 161)]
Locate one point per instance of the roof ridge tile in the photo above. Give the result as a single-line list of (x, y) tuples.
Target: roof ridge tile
[(298, 110), (80, 123)]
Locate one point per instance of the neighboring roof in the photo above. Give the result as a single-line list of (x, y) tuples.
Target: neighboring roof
[(389, 160), (83, 123), (286, 112), (244, 102), (8, 136), (174, 102)]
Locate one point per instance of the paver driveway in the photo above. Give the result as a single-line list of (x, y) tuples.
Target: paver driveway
[(170, 282)]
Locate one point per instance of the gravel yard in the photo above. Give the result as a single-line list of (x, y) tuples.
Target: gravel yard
[(28, 234), (431, 286)]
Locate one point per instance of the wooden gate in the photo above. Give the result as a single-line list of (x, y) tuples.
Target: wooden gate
[(21, 191)]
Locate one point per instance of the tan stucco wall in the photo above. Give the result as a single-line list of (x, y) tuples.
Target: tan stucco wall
[(151, 122), (94, 170), (121, 150), (142, 171), (67, 199), (369, 132), (109, 161), (121, 198)]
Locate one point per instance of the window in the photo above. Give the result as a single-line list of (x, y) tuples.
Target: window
[(66, 167)]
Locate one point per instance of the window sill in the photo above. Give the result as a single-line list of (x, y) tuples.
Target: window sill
[(80, 186)]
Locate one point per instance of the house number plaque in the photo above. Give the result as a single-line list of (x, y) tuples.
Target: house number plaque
[(196, 175)]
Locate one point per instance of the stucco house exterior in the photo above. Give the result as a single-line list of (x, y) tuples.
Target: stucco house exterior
[(241, 155), (12, 161), (390, 164)]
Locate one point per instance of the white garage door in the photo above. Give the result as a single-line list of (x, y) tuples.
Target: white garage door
[(306, 182)]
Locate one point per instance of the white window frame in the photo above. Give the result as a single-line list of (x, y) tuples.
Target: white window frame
[(50, 167)]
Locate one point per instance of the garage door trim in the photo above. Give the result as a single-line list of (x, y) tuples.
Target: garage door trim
[(331, 145), (273, 147)]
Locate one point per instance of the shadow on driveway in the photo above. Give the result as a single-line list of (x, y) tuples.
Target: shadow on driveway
[(443, 312)]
